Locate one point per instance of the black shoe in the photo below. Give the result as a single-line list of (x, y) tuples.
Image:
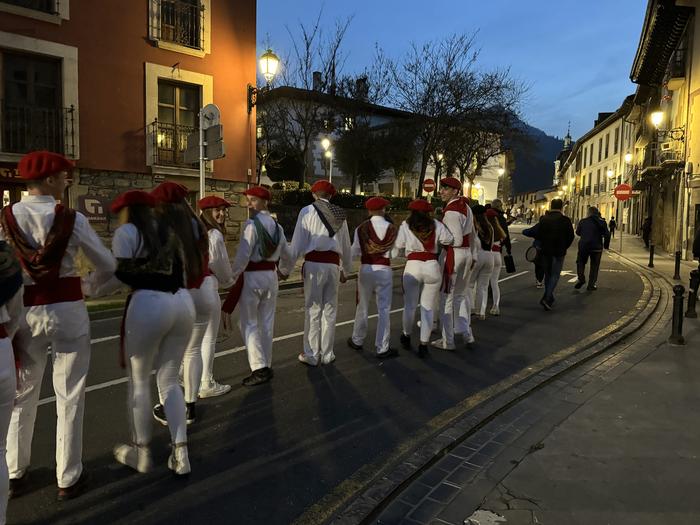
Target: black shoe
[(159, 414), (547, 306), (74, 490), (263, 375), (353, 345), (190, 413), (579, 284), (592, 288), (422, 351), (18, 486), (392, 352), (406, 341)]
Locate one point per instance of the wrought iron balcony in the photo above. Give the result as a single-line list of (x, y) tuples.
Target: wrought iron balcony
[(169, 142), (45, 6), (181, 22), (29, 128)]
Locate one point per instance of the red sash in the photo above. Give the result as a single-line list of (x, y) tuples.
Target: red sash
[(328, 257), (234, 295), (52, 291), (465, 242), (422, 256), (375, 259), (459, 206), (496, 248)]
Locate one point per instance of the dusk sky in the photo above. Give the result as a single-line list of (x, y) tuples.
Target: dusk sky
[(575, 55)]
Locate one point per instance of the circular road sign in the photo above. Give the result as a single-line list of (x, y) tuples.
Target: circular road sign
[(623, 192), (428, 185)]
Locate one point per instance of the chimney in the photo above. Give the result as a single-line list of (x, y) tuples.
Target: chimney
[(317, 82)]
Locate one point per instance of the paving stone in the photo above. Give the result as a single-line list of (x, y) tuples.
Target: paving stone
[(444, 493), (464, 451), (415, 492), (426, 511), (478, 459), (449, 463), (467, 501), (462, 476), (432, 477), (394, 513)]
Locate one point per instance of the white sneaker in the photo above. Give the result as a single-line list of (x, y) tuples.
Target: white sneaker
[(179, 460), (540, 284), (495, 311), (469, 339), (138, 458), (440, 343), (481, 317), (328, 358), (311, 361), (213, 389)]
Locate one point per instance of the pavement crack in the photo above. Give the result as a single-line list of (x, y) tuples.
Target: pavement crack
[(508, 493)]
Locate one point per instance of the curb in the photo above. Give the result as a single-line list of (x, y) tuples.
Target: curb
[(476, 411)]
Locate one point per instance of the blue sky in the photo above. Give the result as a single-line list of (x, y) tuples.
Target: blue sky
[(576, 55)]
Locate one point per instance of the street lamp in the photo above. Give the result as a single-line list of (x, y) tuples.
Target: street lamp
[(501, 172), (628, 158), (657, 118), (269, 64), (326, 144), (610, 173)]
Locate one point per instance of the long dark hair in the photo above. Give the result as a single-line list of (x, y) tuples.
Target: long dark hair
[(210, 223), (420, 221), (143, 218), (183, 221)]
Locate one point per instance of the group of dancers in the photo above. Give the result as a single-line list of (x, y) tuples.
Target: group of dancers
[(173, 261)]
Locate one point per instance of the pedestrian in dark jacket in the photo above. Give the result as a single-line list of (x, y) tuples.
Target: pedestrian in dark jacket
[(556, 233), (646, 231), (612, 225), (594, 236), (497, 205)]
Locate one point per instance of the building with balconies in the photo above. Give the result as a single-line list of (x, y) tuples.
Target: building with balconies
[(117, 87)]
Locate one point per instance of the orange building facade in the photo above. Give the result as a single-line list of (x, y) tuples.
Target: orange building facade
[(117, 86)]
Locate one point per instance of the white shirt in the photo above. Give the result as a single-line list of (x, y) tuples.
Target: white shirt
[(380, 226), (35, 214), (407, 241), (248, 247), (461, 225), (219, 264), (311, 235)]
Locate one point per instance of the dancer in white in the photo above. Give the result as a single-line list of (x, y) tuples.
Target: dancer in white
[(372, 243), (457, 260), (263, 245), (213, 215), (481, 275), (46, 237), (420, 237), (496, 249), (157, 324), (321, 236)]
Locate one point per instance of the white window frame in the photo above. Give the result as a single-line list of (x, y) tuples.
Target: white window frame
[(69, 77), (155, 72), (154, 36), (62, 14)]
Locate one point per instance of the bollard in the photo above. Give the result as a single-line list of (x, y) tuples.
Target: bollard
[(693, 294), (677, 321), (677, 268), (651, 256)]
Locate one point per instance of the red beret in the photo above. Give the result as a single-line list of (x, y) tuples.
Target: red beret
[(376, 203), (259, 192), (451, 182), (170, 192), (420, 205), (324, 186), (491, 213), (132, 197), (41, 164), (212, 202)]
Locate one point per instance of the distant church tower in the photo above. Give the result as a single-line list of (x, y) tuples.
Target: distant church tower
[(563, 155), (568, 142)]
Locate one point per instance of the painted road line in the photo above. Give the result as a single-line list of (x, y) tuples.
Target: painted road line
[(103, 339), (235, 350)]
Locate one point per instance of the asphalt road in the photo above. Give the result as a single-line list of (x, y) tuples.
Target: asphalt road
[(291, 448)]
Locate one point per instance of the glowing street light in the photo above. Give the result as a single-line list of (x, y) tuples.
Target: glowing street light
[(657, 118), (610, 173), (628, 158)]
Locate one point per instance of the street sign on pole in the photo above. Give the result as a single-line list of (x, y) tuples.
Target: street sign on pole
[(429, 185), (207, 143), (623, 192)]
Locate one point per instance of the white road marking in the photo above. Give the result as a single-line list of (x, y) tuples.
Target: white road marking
[(222, 353)]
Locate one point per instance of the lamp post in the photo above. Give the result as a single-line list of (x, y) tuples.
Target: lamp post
[(269, 64), (326, 143)]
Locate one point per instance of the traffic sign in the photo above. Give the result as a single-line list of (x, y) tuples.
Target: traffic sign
[(428, 185), (623, 192)]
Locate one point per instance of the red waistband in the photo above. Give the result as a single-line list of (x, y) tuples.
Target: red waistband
[(261, 266), (375, 259), (422, 256), (3, 332), (193, 285), (323, 257), (465, 242), (61, 290), (496, 248)]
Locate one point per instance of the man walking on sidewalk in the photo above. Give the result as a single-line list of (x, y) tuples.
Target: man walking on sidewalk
[(612, 225), (594, 236), (556, 233)]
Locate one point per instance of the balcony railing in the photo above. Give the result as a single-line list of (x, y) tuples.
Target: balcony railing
[(169, 142), (45, 6), (29, 128), (677, 65), (181, 22)]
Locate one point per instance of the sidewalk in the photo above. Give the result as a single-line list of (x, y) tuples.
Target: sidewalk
[(612, 441)]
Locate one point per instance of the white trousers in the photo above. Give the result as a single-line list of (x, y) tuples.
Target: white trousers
[(206, 300), (377, 283), (43, 327), (157, 329), (495, 277), (454, 305), (321, 281), (480, 278), (256, 316), (7, 400), (421, 286), (210, 335)]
